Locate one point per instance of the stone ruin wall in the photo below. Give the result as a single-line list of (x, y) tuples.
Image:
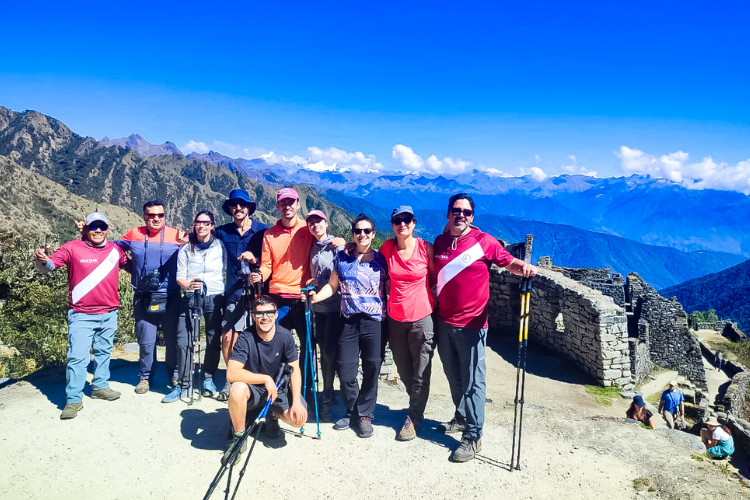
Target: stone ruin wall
[(640, 353), (726, 327), (568, 317)]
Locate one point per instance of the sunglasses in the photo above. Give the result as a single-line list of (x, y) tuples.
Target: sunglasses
[(397, 221), (462, 211), (154, 216), (98, 227), (240, 204), (366, 230), (260, 314), (203, 223)]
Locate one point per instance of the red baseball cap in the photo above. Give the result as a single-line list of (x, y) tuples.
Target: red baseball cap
[(315, 213), (286, 193)]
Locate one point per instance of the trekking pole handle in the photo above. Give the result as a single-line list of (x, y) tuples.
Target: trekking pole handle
[(306, 290)]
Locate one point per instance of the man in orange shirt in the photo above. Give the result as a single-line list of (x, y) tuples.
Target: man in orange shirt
[(286, 261)]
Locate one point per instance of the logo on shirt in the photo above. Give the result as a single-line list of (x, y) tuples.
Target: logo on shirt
[(88, 261), (466, 258), (276, 355)]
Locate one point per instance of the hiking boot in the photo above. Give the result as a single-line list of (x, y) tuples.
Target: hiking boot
[(326, 412), (71, 410), (142, 387), (365, 427), (232, 445), (106, 393), (408, 431), (342, 424), (273, 430), (452, 427), (172, 396), (469, 447), (209, 388), (224, 394)]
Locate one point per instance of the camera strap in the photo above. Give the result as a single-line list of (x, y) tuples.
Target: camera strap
[(145, 253)]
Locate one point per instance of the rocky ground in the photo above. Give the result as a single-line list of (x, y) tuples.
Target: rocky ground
[(139, 448)]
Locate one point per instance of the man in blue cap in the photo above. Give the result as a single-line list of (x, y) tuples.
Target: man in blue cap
[(243, 241)]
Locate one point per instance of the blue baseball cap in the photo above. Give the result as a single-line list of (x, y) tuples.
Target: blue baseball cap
[(638, 400), (402, 209), (239, 195)]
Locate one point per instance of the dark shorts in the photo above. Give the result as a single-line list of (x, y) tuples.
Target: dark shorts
[(259, 395), (235, 317)]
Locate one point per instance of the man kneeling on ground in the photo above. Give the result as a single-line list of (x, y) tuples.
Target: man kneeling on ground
[(256, 359)]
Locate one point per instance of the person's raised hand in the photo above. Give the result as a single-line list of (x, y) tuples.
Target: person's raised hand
[(271, 389), (183, 236), (40, 254)]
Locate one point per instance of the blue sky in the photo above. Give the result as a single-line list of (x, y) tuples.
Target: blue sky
[(521, 87)]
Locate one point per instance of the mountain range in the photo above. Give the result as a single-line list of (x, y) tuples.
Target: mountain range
[(138, 143), (122, 177)]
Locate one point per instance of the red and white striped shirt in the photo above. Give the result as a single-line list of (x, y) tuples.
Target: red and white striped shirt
[(92, 275)]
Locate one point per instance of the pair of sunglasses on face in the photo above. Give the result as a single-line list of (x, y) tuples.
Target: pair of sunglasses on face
[(154, 216), (462, 211), (203, 223), (366, 230), (260, 314), (397, 221), (98, 227)]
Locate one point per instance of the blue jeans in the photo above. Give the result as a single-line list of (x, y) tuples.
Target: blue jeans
[(83, 330), (462, 354)]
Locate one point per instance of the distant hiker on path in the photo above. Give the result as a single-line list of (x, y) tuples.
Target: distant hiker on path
[(717, 439), (463, 256), (286, 262), (410, 302), (361, 276), (201, 264), (156, 302), (672, 405), (328, 322), (243, 241), (719, 359), (638, 411), (93, 273), (257, 356)]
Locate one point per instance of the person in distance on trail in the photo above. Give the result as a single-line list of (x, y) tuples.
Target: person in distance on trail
[(719, 360), (201, 264), (257, 356), (717, 439), (463, 256), (361, 275), (156, 301), (286, 262), (410, 302), (638, 411), (328, 324), (93, 273), (243, 240), (672, 405)]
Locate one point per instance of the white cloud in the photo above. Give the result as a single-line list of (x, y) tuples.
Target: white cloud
[(338, 159), (405, 157), (225, 148), (578, 170), (706, 174), (195, 147), (535, 173)]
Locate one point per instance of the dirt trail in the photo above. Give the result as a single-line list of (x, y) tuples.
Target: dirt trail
[(138, 448)]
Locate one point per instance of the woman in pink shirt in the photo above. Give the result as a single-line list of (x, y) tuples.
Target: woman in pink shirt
[(409, 313)]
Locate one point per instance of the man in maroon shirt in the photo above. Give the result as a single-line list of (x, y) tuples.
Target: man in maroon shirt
[(463, 256), (93, 271)]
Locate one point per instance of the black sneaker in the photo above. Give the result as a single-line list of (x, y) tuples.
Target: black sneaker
[(342, 424), (365, 427), (273, 430), (467, 450), (326, 412), (237, 437), (452, 427)]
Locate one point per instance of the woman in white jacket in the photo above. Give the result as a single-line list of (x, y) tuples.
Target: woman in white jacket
[(201, 265)]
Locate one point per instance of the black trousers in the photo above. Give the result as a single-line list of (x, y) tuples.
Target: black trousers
[(327, 334), (360, 338)]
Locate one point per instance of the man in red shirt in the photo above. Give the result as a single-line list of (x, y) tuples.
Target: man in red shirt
[(463, 256), (93, 270)]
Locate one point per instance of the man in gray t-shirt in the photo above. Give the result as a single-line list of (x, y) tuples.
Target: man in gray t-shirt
[(328, 323)]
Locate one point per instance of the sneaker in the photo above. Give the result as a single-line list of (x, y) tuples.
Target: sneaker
[(142, 387), (224, 394), (452, 427), (273, 430), (185, 396), (408, 431), (467, 450), (365, 427), (209, 388), (106, 393), (172, 396), (232, 446), (342, 424), (71, 410), (326, 412)]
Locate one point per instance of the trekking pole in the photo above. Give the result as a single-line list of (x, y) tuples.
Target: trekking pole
[(282, 379), (310, 361), (523, 340), (195, 334)]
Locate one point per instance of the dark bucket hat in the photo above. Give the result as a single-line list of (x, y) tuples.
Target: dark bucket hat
[(241, 195)]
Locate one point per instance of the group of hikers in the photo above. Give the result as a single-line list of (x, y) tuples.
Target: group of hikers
[(716, 437), (415, 295)]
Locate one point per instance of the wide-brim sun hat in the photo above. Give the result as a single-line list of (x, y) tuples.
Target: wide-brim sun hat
[(239, 195), (712, 421)]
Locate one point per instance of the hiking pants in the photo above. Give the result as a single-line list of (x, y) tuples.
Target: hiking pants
[(146, 326), (327, 333), (187, 336), (412, 345), (84, 332), (462, 354), (360, 338)]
